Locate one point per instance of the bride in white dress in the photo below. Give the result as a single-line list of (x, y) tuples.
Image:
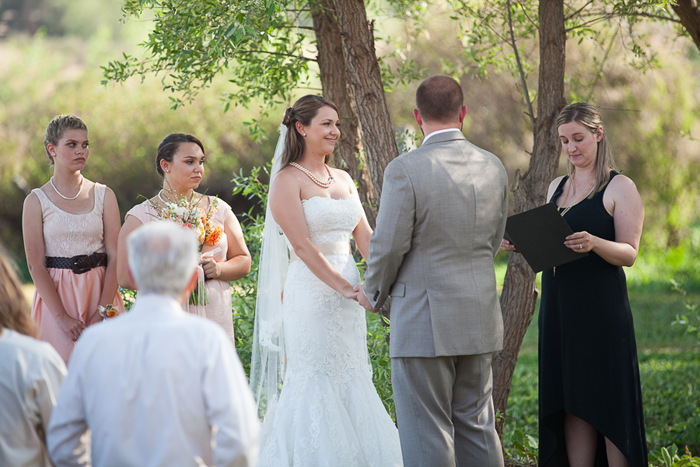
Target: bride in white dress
[(310, 337)]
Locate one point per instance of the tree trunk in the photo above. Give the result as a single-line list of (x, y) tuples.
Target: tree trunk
[(365, 81), (335, 84), (519, 292), (689, 14)]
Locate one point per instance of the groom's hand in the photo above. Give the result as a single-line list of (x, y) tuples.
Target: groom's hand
[(362, 298)]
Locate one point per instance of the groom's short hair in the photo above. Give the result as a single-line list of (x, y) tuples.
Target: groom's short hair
[(439, 98)]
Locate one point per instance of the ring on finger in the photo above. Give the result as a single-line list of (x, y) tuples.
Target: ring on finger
[(580, 246)]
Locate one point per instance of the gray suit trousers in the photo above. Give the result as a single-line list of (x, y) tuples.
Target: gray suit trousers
[(444, 410)]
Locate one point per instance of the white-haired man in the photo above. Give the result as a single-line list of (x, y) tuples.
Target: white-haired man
[(156, 387)]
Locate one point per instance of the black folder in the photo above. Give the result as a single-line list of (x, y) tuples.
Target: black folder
[(539, 234)]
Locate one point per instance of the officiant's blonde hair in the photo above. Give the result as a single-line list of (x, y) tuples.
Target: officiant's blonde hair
[(588, 115), (303, 111)]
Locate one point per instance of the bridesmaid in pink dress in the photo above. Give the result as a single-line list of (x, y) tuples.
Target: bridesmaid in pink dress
[(70, 228), (180, 160)]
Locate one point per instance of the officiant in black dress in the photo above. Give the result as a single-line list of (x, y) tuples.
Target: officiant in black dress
[(590, 401)]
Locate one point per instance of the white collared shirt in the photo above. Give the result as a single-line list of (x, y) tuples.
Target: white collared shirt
[(155, 387), (438, 132), (30, 376)]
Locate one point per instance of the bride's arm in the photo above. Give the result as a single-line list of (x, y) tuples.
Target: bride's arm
[(285, 203)]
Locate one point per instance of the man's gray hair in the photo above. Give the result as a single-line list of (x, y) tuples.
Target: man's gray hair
[(162, 257)]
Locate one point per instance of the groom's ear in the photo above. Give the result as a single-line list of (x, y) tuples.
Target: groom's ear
[(417, 116), (462, 113)]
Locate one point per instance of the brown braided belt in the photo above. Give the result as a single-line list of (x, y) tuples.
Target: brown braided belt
[(78, 264)]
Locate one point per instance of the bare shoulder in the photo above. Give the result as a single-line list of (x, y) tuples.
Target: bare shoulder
[(553, 187), (109, 194), (32, 201), (622, 184), (286, 180)]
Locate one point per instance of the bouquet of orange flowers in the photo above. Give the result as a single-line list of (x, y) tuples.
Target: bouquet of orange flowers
[(187, 213)]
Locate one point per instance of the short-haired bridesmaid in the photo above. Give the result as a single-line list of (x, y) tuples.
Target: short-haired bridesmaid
[(70, 227)]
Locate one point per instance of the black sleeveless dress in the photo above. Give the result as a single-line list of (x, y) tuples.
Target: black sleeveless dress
[(587, 350)]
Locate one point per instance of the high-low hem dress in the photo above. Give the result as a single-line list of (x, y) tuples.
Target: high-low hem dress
[(587, 351)]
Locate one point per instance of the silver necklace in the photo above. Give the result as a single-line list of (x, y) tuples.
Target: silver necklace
[(313, 177), (80, 189)]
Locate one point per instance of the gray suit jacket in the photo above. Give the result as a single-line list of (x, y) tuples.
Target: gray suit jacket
[(440, 224)]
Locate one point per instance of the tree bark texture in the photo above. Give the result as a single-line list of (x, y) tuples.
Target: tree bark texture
[(689, 14), (334, 81), (519, 292), (365, 80)]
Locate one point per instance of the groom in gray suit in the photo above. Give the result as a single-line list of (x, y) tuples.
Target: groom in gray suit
[(442, 217)]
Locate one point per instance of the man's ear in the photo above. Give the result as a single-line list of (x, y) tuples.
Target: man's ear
[(462, 113), (417, 116)]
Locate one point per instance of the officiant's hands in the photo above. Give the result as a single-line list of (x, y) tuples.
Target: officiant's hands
[(362, 298)]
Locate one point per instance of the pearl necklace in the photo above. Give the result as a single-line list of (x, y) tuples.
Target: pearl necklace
[(162, 199), (313, 177), (80, 189)]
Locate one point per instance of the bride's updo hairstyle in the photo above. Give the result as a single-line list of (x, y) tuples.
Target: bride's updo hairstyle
[(169, 146), (588, 115), (303, 111)]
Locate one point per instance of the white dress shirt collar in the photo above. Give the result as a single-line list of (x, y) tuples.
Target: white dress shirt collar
[(439, 132)]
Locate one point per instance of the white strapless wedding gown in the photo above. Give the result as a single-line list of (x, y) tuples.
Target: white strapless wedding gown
[(329, 413)]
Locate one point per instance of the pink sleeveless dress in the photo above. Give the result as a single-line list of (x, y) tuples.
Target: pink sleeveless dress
[(219, 292), (68, 235)]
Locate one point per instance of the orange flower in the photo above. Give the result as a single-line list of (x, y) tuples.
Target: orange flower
[(187, 224), (215, 236), (112, 312)]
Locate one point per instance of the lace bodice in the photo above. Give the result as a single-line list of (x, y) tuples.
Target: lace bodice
[(331, 220), (66, 234)]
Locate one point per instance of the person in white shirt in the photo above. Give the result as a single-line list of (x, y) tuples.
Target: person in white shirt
[(157, 386), (31, 372)]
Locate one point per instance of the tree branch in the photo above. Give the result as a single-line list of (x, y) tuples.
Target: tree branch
[(607, 16), (301, 57), (602, 64), (523, 81), (522, 7), (578, 11)]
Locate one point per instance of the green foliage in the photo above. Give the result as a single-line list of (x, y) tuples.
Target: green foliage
[(691, 318), (668, 457), (246, 289), (194, 42)]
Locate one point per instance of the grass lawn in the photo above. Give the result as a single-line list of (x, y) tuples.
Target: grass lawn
[(669, 361)]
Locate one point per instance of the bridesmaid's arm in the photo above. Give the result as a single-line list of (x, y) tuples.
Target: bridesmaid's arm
[(112, 224), (124, 278), (33, 233), (238, 259)]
